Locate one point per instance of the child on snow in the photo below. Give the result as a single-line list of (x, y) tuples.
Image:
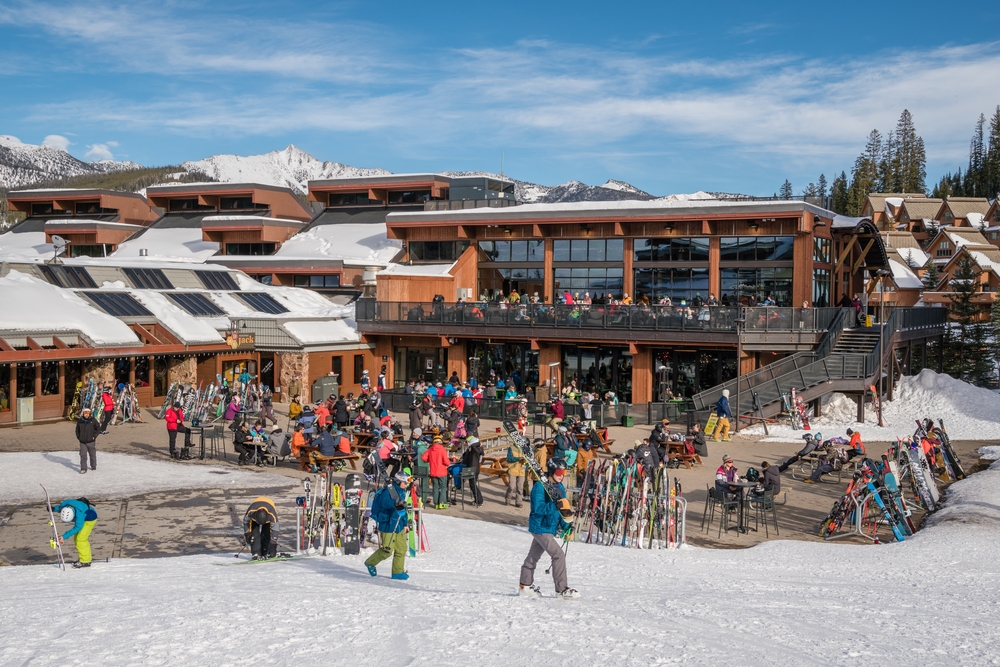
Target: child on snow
[(83, 516)]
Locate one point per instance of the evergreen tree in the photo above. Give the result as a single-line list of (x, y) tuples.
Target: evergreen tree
[(931, 275), (838, 193), (994, 330), (977, 158), (943, 188), (991, 161), (786, 190), (821, 186), (888, 165), (909, 159), (964, 287), (865, 177)]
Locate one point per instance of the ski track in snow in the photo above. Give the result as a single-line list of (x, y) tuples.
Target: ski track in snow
[(779, 603)]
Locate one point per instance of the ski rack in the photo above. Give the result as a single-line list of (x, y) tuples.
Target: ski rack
[(857, 527), (303, 544)]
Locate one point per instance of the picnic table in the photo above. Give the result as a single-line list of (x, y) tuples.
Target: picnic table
[(677, 451), (603, 440)]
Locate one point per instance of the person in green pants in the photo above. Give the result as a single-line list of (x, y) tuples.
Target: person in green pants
[(83, 516), (389, 511)]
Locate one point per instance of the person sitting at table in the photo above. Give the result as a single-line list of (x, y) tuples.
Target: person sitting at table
[(308, 421), (812, 440), (772, 477), (232, 409), (660, 438), (510, 394), (294, 408), (364, 423), (824, 466), (298, 441), (558, 414), (322, 415), (698, 440), (647, 456), (326, 446), (243, 443), (726, 475)]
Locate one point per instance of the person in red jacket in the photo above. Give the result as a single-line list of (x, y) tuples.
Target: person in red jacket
[(436, 457), (458, 402), (108, 404), (322, 415), (175, 425)]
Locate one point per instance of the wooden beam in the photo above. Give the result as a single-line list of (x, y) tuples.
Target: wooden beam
[(618, 231), (706, 227), (536, 230), (633, 349), (59, 343), (534, 344), (462, 232), (864, 253), (444, 342), (4, 347), (843, 255), (32, 345)]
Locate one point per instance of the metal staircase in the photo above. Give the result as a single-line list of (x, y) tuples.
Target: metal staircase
[(846, 360)]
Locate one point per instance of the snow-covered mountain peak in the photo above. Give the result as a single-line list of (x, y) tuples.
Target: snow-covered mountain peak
[(22, 164), (622, 186)]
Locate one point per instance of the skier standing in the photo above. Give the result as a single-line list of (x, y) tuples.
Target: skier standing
[(544, 523), (436, 457), (175, 425), (260, 528), (86, 432), (389, 511), (83, 516)]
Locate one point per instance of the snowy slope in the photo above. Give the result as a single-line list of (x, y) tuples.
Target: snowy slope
[(928, 601), (969, 412), (290, 168), (22, 164)]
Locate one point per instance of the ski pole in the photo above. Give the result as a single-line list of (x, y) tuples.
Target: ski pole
[(565, 552), (241, 550)]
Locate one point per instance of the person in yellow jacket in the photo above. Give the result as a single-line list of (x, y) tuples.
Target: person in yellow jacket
[(584, 456), (260, 528), (515, 477)]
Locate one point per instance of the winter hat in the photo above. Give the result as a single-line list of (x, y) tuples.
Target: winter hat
[(725, 392), (726, 457), (472, 440), (638, 442), (562, 429), (850, 431), (85, 411), (365, 372), (417, 432), (437, 439), (177, 405)]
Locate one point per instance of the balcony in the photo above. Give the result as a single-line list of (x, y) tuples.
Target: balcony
[(789, 328)]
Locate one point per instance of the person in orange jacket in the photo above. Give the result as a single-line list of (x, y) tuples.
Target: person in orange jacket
[(322, 415), (436, 457)]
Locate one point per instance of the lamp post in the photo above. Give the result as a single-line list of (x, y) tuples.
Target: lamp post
[(739, 322)]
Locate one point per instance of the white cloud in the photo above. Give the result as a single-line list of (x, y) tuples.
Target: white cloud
[(56, 141), (100, 151)]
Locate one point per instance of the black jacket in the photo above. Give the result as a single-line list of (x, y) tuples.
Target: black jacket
[(473, 456), (472, 426), (415, 416), (340, 414), (772, 479), (87, 430), (659, 437), (700, 446), (648, 457)]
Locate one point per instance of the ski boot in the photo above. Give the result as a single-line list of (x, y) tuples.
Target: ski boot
[(79, 565), (530, 592), (371, 570), (570, 594), (402, 576)]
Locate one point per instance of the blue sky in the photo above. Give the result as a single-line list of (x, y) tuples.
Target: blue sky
[(672, 97)]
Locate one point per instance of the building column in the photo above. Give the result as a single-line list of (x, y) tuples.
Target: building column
[(13, 391), (550, 354), (38, 379), (628, 274), (62, 381), (458, 361), (547, 280), (714, 279), (642, 375), (131, 371)]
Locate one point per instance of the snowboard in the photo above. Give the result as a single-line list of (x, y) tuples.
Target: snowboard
[(351, 537), (54, 540), (877, 403)]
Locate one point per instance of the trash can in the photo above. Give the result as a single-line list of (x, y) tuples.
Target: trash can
[(628, 421), (323, 387)]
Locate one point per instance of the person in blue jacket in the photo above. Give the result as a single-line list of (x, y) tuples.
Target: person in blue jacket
[(83, 516), (724, 414), (389, 511), (544, 523)]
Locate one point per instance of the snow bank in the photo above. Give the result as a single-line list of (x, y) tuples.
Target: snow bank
[(29, 304), (969, 412), (355, 244), (117, 475), (24, 246), (327, 331), (769, 605)]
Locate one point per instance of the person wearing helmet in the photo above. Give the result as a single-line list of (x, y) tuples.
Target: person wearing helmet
[(472, 460), (389, 511), (83, 516), (260, 528), (812, 441), (87, 430), (366, 381), (724, 414), (544, 523)]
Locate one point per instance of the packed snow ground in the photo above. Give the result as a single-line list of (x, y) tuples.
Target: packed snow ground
[(117, 475), (969, 412), (931, 600)]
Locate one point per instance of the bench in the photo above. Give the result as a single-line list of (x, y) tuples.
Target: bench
[(602, 438), (808, 464), (304, 463), (494, 461), (677, 451)]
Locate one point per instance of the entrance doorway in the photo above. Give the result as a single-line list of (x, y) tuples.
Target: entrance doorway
[(232, 370), (421, 363), (599, 369), (267, 369)]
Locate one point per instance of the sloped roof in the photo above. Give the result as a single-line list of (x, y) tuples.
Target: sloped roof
[(876, 200), (919, 209), (965, 236), (963, 206)]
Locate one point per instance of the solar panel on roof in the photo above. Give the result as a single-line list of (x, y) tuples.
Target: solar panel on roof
[(68, 276), (198, 305), (262, 302), (118, 304), (217, 280), (148, 278)]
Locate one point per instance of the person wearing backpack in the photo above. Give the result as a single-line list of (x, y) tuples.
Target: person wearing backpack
[(472, 460), (81, 513), (389, 511), (515, 478)]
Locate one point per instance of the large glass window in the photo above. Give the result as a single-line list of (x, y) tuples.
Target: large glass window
[(678, 284), (596, 281), (753, 286), (588, 250), (352, 199), (756, 248), (671, 250), (496, 281), (512, 251), (821, 250), (25, 380), (318, 281), (413, 197), (600, 369), (250, 249), (821, 288), (437, 251), (50, 378)]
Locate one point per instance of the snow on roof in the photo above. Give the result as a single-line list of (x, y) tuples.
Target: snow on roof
[(171, 244), (29, 304), (984, 262), (324, 331), (254, 218), (964, 236), (895, 202), (976, 219), (904, 277), (913, 256), (354, 244), (418, 269), (190, 329), (24, 246), (843, 221)]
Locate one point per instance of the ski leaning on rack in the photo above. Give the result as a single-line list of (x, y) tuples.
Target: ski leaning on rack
[(54, 540), (877, 403), (524, 446)]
